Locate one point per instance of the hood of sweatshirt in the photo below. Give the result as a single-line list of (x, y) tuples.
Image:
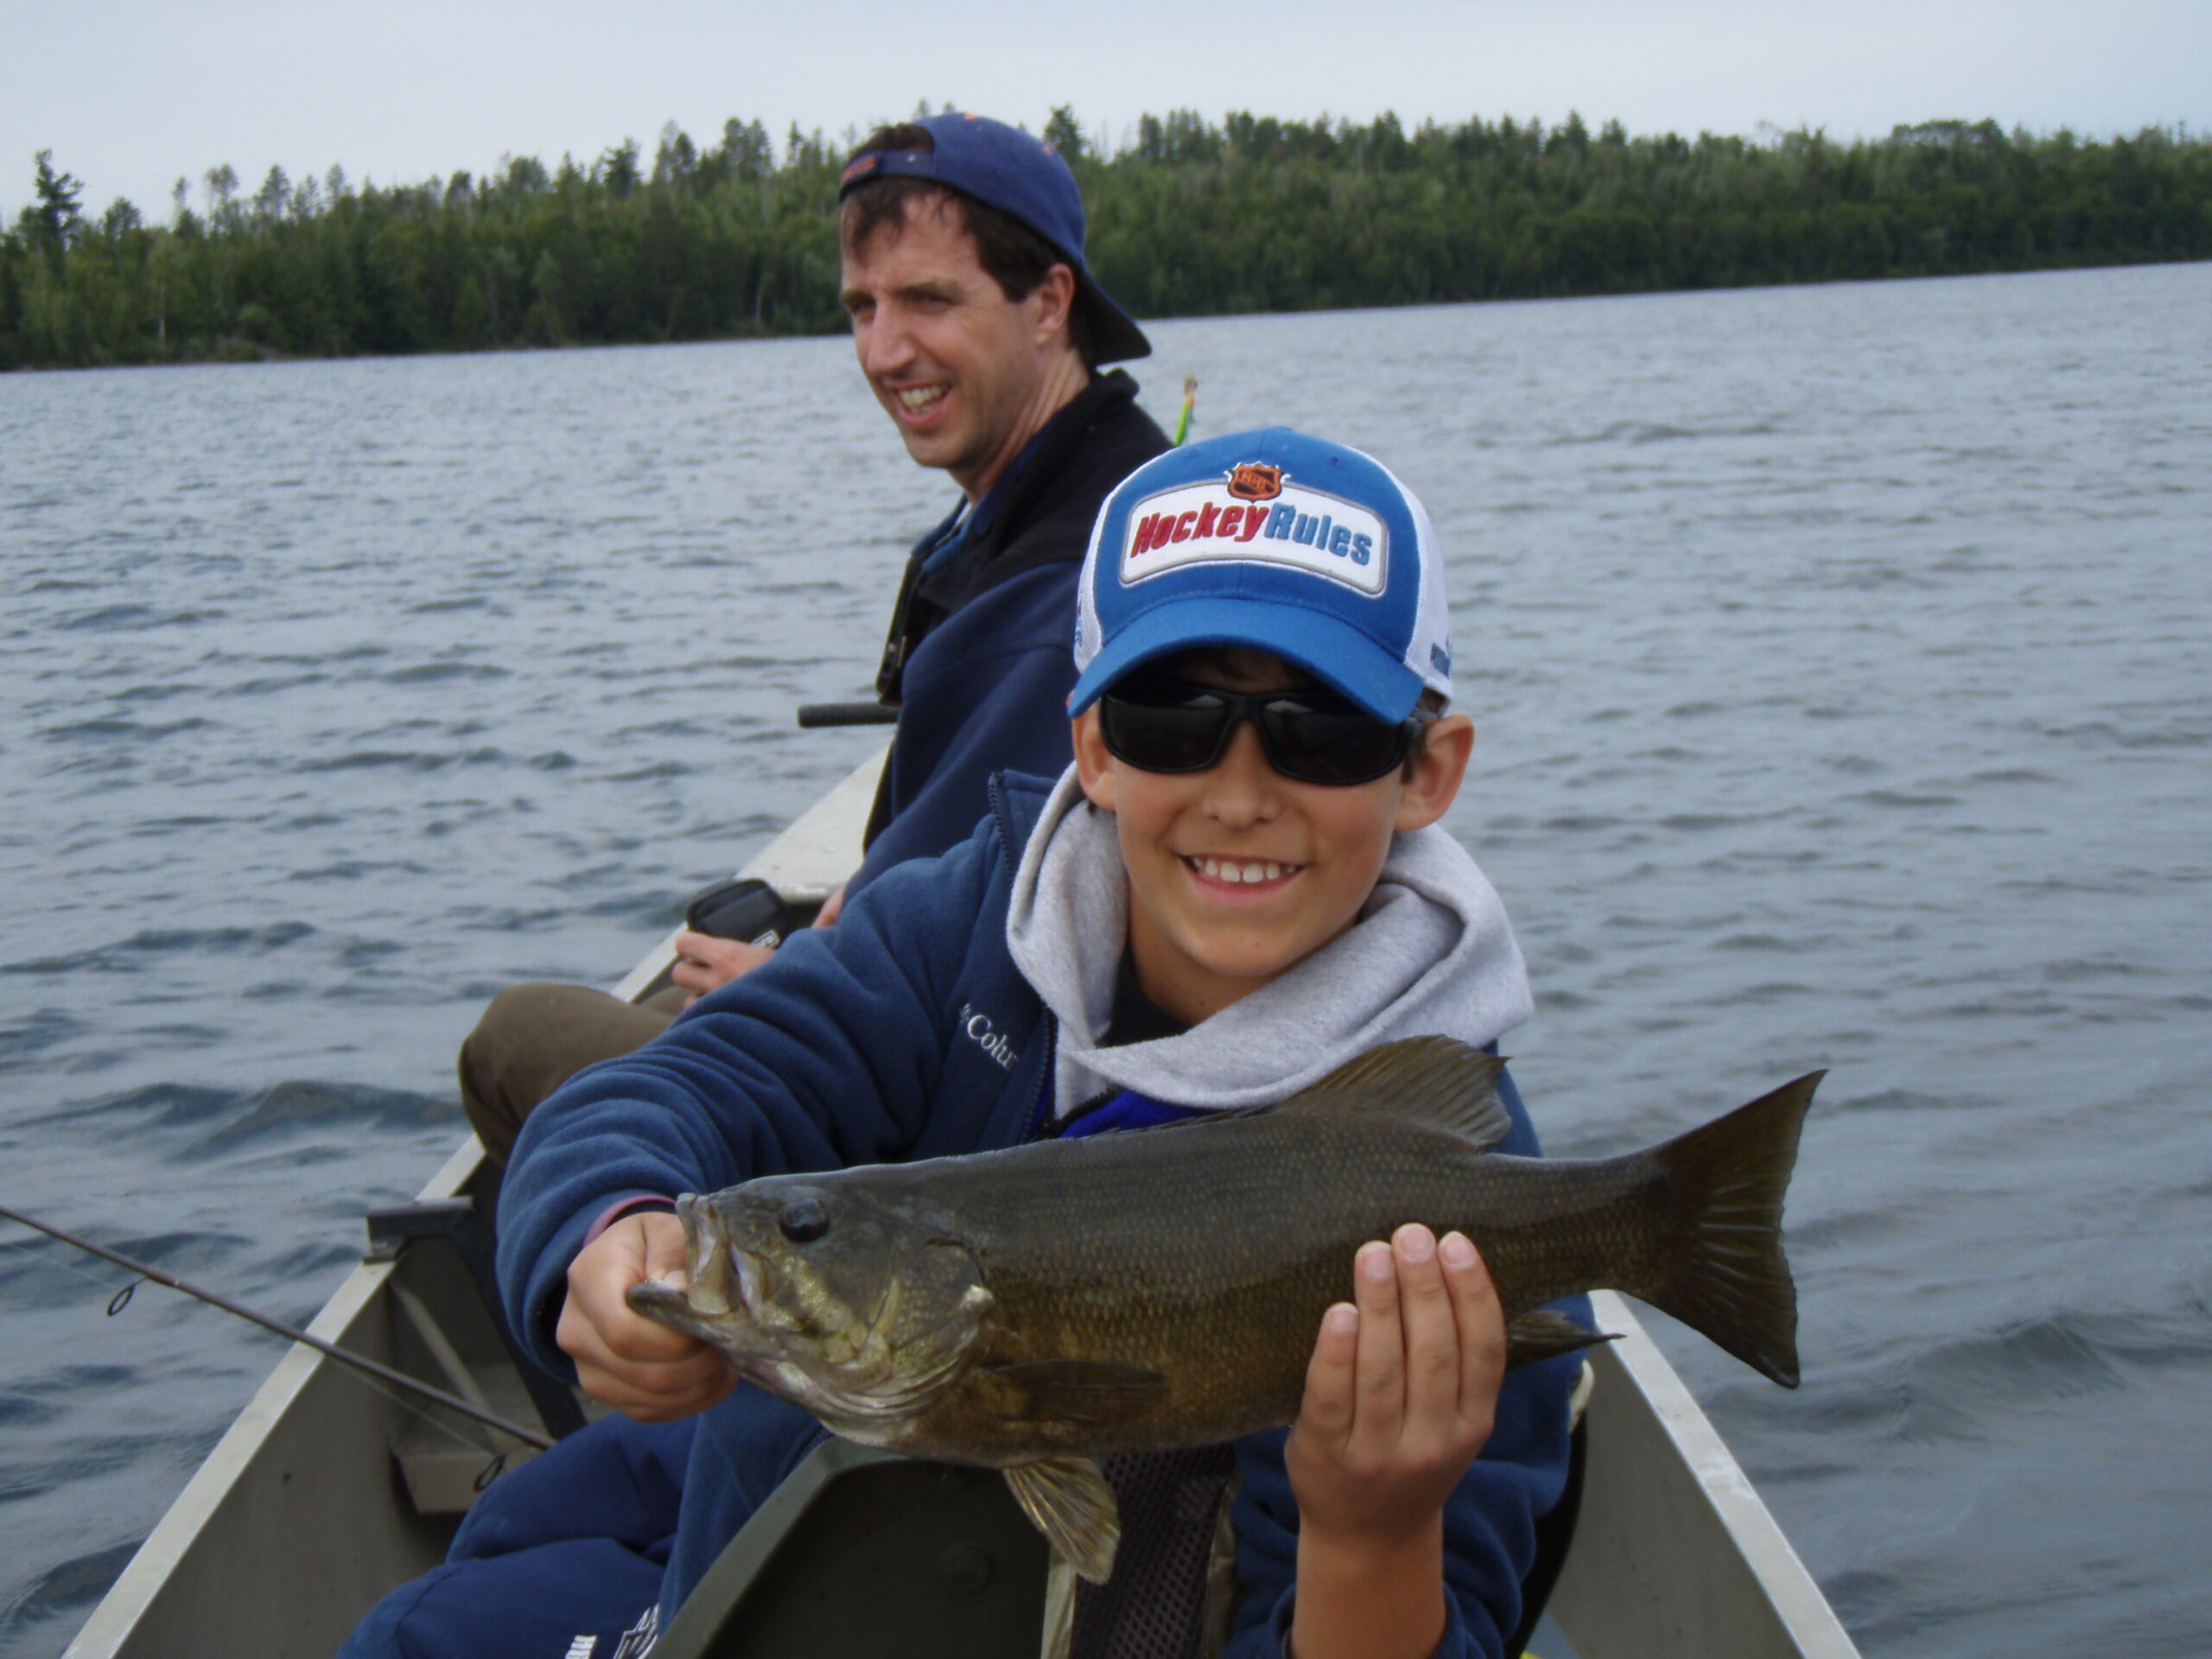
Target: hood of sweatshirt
[(1432, 954)]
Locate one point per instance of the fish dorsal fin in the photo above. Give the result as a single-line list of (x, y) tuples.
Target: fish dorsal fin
[(1069, 1501), (1437, 1080)]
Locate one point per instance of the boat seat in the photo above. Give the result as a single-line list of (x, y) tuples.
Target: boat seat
[(863, 1552)]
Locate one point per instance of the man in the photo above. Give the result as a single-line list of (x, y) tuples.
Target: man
[(980, 329)]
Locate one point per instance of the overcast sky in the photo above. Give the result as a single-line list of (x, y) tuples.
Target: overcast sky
[(129, 97)]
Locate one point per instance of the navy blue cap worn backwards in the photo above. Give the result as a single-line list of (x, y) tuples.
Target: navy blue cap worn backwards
[(1024, 178), (1274, 540)]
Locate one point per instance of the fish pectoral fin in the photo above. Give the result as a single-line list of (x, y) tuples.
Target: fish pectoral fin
[(1436, 1081), (1086, 1393), (1541, 1333), (1069, 1501)]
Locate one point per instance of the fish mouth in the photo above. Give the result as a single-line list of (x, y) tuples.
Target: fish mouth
[(744, 1268), (707, 1287), (724, 1280)]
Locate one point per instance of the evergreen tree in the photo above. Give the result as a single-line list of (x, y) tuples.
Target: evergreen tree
[(54, 220), (1064, 134), (1254, 213)]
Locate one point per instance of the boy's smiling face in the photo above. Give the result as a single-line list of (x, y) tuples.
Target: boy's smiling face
[(1203, 933)]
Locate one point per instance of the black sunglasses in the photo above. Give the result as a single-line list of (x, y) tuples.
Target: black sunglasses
[(1312, 735)]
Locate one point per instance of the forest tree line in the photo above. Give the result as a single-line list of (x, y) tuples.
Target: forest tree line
[(1189, 218)]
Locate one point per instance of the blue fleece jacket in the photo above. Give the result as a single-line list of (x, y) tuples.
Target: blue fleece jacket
[(907, 1031), (986, 691), (983, 636)]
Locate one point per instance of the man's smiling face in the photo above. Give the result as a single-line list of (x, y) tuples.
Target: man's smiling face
[(967, 374), (1237, 873)]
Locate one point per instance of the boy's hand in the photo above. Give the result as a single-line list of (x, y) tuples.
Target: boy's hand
[(1400, 1394), (705, 963), (644, 1369)]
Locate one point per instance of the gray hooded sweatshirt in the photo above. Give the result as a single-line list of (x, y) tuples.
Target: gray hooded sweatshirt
[(1432, 954)]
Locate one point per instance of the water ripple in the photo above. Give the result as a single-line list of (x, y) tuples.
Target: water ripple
[(1838, 659)]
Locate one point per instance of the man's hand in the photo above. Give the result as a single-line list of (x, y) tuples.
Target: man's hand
[(644, 1369), (832, 907), (705, 962), (1399, 1396)]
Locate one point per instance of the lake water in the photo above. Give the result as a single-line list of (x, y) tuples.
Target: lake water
[(1841, 660)]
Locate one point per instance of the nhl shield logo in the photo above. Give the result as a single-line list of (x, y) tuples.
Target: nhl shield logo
[(1255, 480)]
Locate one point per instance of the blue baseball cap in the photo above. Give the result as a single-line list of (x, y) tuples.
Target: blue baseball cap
[(1023, 177), (1272, 539)]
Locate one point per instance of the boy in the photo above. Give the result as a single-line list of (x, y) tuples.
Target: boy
[(1240, 884)]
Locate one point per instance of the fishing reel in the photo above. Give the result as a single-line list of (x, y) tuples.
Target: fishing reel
[(747, 910)]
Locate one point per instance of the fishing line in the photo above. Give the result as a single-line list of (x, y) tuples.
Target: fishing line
[(368, 1368), (490, 1471), (64, 1263), (485, 1475)]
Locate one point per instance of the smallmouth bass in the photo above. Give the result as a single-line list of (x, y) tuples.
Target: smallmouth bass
[(1035, 1308)]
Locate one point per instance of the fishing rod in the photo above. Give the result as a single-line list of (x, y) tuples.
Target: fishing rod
[(1190, 403), (359, 1362)]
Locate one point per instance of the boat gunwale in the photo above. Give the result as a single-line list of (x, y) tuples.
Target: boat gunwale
[(804, 862), (800, 863)]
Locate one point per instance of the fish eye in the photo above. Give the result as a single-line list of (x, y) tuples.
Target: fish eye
[(803, 1221)]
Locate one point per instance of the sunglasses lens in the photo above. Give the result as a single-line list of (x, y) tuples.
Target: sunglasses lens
[(1337, 744), (1163, 728), (1315, 737)]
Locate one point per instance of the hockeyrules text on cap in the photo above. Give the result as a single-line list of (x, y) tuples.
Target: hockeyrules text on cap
[(1305, 529)]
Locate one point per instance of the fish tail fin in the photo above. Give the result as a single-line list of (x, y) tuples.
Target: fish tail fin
[(1728, 1279)]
